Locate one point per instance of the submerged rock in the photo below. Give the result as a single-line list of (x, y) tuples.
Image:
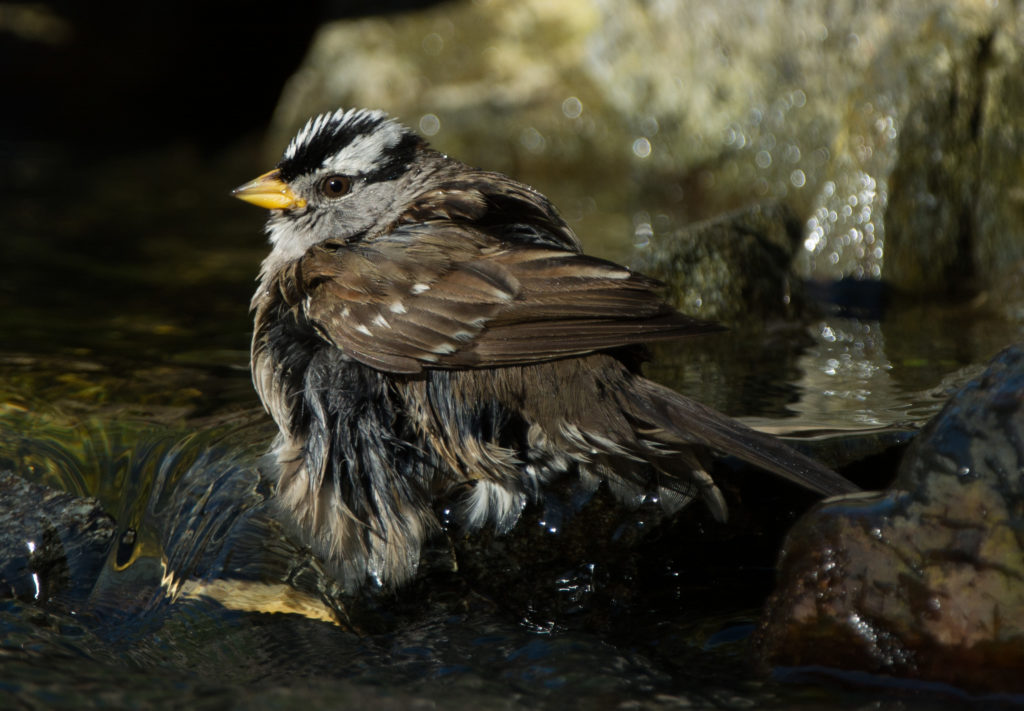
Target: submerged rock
[(52, 544), (189, 520), (925, 580)]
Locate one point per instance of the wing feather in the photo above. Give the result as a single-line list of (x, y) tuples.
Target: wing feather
[(450, 295)]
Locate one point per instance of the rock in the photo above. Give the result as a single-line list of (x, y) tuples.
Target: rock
[(192, 522), (52, 544), (921, 186), (925, 580), (950, 168), (733, 269)]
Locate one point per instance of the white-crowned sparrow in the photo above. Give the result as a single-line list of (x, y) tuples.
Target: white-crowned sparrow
[(423, 327)]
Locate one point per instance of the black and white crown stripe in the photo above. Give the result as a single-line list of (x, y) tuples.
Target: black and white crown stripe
[(356, 142)]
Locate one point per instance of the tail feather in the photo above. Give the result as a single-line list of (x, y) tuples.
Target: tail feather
[(681, 418)]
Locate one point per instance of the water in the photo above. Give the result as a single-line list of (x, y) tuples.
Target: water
[(123, 376)]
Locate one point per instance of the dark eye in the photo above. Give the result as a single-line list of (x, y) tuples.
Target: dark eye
[(334, 186)]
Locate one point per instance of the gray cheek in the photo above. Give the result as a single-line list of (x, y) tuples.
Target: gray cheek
[(377, 205), (347, 220), (359, 213)]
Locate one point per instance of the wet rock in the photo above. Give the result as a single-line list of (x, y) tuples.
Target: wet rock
[(52, 544), (924, 187), (921, 187), (188, 519), (220, 539), (735, 268), (925, 580)]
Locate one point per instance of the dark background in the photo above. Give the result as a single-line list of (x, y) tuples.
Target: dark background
[(118, 75)]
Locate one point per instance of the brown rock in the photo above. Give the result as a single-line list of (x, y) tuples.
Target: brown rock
[(925, 580)]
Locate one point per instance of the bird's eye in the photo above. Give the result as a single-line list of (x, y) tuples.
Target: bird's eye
[(334, 186)]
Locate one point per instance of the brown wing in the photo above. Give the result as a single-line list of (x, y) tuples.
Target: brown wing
[(451, 296)]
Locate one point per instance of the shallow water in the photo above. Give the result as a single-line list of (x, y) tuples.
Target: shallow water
[(124, 376)]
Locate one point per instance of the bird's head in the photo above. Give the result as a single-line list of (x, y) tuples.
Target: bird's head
[(343, 176)]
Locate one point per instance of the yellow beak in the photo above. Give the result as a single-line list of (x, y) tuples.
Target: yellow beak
[(269, 191)]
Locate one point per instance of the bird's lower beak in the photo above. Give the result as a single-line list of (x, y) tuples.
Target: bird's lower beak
[(269, 191)]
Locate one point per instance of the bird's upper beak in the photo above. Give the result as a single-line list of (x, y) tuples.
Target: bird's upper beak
[(269, 191)]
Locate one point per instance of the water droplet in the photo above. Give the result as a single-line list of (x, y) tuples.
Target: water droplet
[(798, 178), (532, 140), (642, 147), (572, 107), (430, 124), (642, 234)]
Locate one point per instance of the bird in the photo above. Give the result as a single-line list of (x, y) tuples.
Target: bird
[(424, 329)]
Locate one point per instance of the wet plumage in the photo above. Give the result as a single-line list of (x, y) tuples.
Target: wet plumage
[(423, 329)]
